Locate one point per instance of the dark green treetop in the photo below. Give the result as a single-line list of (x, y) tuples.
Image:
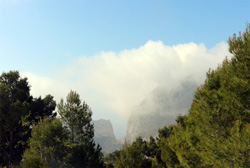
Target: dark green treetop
[(18, 110), (77, 117)]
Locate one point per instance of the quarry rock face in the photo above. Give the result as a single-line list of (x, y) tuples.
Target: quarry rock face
[(104, 136), (159, 109)]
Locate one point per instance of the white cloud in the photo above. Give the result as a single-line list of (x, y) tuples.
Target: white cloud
[(116, 82), (42, 86)]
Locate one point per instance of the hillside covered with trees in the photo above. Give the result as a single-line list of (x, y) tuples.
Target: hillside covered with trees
[(215, 133)]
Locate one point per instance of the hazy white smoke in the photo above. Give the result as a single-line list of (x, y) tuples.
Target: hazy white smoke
[(117, 82)]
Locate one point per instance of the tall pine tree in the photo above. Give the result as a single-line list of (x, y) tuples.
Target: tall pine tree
[(217, 131), (76, 116)]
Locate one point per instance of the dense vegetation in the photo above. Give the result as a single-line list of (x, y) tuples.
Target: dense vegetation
[(32, 136), (216, 133)]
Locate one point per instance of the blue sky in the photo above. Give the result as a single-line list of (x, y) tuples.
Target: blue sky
[(47, 38)]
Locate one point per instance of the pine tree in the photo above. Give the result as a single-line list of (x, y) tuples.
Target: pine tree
[(76, 116), (18, 110), (220, 106), (47, 145), (216, 132)]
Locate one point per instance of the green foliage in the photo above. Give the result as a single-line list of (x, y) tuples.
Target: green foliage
[(14, 105), (70, 145), (109, 165), (152, 148), (129, 157), (34, 162), (41, 108), (111, 157), (18, 109), (76, 117), (134, 155), (84, 155), (216, 132), (47, 143)]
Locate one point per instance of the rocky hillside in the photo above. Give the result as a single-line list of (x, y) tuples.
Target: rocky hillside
[(104, 136), (160, 108)]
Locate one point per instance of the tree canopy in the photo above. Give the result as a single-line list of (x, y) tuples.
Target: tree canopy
[(216, 132), (18, 110), (77, 117)]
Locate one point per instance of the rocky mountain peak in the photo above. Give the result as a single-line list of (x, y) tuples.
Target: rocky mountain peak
[(159, 109), (103, 128), (104, 136)]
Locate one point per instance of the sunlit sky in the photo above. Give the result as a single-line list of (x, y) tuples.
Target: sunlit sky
[(114, 52)]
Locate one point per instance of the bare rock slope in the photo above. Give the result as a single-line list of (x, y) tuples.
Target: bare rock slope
[(159, 109), (104, 136)]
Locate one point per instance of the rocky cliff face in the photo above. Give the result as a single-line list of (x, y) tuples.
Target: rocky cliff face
[(103, 128), (104, 136), (159, 109)]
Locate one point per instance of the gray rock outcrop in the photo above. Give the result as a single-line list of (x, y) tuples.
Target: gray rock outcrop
[(159, 109), (104, 136)]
